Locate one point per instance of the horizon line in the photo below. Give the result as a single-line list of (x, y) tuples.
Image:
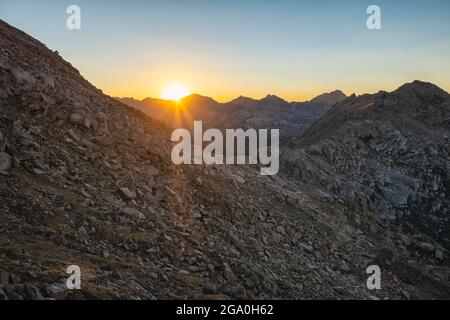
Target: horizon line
[(277, 96)]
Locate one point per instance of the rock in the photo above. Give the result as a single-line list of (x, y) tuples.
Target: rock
[(405, 239), (102, 121), (89, 144), (127, 194), (344, 266), (5, 161), (4, 277), (234, 290), (56, 288), (305, 246), (439, 254), (209, 289), (33, 293), (73, 135), (48, 82), (281, 230), (237, 178), (2, 142), (315, 149), (152, 171), (82, 231), (228, 273), (196, 214), (426, 247), (76, 119), (277, 237), (133, 213), (3, 296), (3, 94)]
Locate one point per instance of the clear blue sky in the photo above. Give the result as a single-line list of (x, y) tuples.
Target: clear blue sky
[(225, 48)]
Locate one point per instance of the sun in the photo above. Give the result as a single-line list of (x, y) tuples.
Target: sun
[(175, 91)]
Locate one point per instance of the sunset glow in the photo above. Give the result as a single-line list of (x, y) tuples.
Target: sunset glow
[(175, 91)]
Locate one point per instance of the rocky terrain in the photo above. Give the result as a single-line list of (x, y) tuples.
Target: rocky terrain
[(86, 180), (387, 152), (270, 112)]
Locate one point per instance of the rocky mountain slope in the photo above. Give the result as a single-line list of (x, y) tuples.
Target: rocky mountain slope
[(270, 112), (388, 152), (87, 181)]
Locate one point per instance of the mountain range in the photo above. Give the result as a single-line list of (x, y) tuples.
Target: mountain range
[(292, 118)]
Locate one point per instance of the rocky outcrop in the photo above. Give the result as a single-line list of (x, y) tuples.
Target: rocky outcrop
[(387, 152)]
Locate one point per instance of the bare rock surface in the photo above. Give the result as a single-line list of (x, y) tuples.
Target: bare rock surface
[(388, 152)]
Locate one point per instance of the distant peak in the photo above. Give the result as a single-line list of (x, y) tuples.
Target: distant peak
[(195, 95), (273, 99), (198, 101), (241, 100), (420, 88), (419, 85), (330, 98)]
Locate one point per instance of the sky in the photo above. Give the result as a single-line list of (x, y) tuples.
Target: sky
[(227, 48)]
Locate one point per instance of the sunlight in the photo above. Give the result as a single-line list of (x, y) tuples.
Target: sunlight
[(175, 91)]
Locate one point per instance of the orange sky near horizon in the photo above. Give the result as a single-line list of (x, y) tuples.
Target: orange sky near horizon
[(144, 86), (225, 48)]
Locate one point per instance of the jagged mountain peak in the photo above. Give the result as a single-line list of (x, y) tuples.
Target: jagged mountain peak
[(421, 89), (329, 98), (242, 101), (273, 99)]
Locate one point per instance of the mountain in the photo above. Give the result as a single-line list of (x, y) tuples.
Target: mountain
[(177, 114), (272, 112), (88, 181), (269, 112), (330, 98), (388, 152)]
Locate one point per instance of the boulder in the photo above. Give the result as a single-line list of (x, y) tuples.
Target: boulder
[(132, 213), (5, 161), (234, 290), (426, 247), (127, 194), (102, 123), (76, 119)]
